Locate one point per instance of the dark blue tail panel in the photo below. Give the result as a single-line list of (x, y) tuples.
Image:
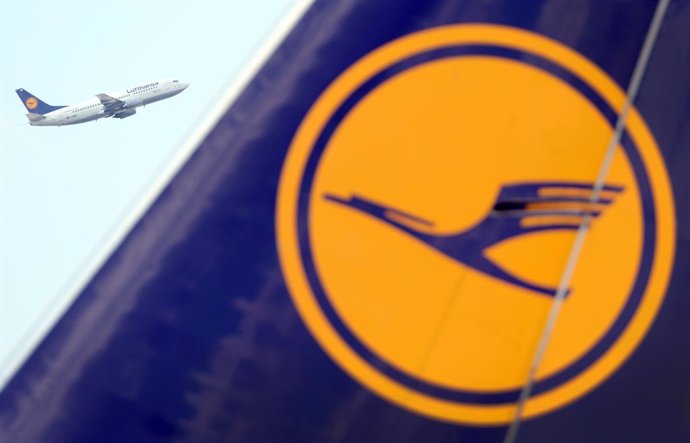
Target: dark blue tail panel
[(34, 104), (188, 332)]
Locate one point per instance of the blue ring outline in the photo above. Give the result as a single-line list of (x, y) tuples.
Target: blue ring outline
[(379, 363)]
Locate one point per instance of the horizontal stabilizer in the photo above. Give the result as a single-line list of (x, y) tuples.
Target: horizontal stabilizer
[(35, 117)]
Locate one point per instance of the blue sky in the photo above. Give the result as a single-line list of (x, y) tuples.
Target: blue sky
[(65, 192)]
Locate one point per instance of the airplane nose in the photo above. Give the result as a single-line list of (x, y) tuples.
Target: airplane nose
[(184, 85)]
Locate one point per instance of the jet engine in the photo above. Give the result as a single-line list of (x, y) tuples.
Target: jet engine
[(125, 113)]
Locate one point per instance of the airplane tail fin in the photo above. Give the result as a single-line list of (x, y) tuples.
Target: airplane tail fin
[(34, 104)]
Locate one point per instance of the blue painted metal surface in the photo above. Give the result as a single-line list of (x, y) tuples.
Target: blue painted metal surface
[(34, 104), (188, 333)]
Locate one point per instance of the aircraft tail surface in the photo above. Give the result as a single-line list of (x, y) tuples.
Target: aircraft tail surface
[(35, 117), (442, 227), (34, 104)]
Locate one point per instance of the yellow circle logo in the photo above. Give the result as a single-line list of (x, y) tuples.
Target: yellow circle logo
[(31, 103), (427, 206)]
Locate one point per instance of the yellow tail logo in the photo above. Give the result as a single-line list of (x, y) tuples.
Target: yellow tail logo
[(31, 103)]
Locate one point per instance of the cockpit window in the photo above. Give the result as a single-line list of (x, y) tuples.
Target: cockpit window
[(175, 81)]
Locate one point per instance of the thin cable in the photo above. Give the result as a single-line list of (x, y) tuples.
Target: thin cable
[(582, 231)]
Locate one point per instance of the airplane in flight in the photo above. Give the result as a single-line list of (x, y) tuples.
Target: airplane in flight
[(119, 104)]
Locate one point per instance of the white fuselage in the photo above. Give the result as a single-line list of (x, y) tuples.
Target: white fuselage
[(94, 108)]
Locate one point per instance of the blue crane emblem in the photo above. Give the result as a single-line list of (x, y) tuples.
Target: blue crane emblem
[(519, 209)]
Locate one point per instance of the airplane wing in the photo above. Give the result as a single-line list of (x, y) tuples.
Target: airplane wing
[(110, 104)]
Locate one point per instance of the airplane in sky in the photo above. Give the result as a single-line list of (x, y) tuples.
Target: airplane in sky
[(119, 104)]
